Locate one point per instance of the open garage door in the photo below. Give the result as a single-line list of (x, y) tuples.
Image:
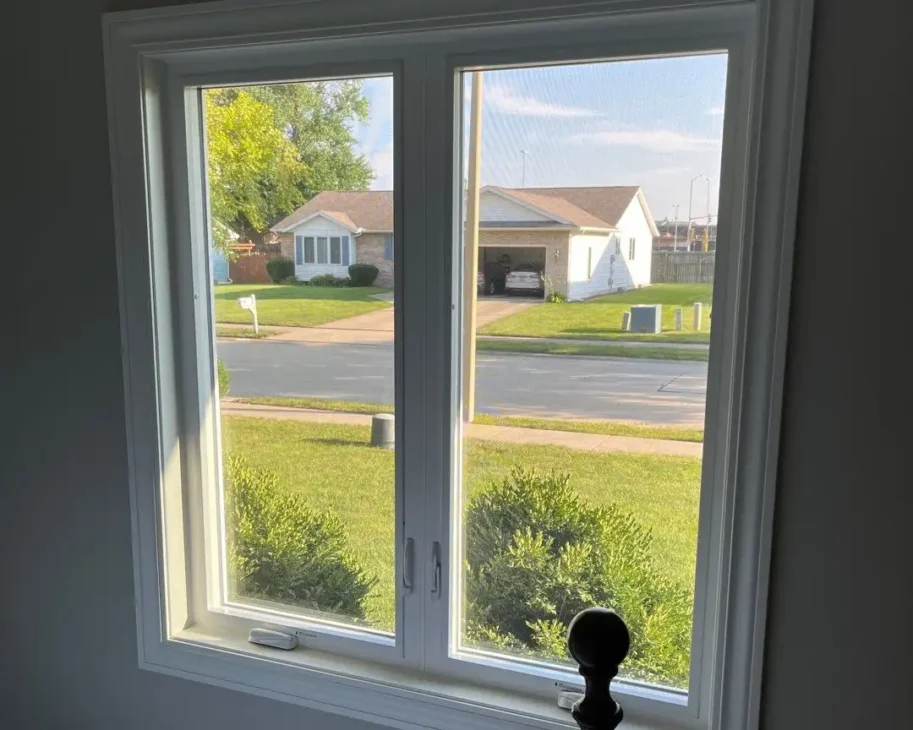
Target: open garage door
[(495, 262)]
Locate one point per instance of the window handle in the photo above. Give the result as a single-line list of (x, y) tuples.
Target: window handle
[(436, 570), (408, 564)]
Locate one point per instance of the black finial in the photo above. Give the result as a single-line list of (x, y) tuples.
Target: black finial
[(598, 640)]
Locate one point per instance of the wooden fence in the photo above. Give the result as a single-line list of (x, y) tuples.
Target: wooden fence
[(250, 268), (683, 267)]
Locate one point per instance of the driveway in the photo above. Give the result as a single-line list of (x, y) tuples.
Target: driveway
[(377, 326)]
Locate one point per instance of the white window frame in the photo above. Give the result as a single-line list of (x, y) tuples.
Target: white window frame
[(412, 681), (632, 248)]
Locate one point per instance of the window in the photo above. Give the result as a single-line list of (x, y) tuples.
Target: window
[(405, 573), (632, 248), (345, 251), (617, 240)]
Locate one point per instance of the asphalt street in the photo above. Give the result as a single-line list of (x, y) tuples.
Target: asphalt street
[(651, 391)]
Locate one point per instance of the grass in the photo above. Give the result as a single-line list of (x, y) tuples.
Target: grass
[(607, 428), (554, 348), (242, 333), (600, 318), (333, 466), (295, 305)]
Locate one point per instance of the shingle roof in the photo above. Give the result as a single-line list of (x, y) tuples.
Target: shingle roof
[(594, 207), (372, 210)]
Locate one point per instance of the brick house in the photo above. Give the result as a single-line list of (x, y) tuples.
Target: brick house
[(587, 241)]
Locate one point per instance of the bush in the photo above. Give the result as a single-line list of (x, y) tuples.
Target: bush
[(279, 549), (363, 274), (223, 377), (280, 268), (328, 280), (291, 280), (537, 555), (555, 297)]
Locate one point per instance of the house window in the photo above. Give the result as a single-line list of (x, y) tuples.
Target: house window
[(419, 543), (632, 248), (617, 241)]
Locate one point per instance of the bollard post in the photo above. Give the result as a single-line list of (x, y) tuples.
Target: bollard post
[(698, 313), (626, 321), (383, 431), (678, 319)]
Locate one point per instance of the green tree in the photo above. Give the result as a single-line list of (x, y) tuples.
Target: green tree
[(255, 174), (274, 147)]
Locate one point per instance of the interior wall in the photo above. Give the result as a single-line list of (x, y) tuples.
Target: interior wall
[(839, 633)]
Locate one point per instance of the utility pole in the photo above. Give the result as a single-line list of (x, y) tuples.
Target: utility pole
[(690, 201), (707, 229), (523, 175), (675, 235), (471, 249)]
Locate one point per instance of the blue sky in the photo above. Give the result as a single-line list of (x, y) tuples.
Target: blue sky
[(655, 123)]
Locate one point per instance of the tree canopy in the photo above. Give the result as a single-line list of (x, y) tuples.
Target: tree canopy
[(272, 148)]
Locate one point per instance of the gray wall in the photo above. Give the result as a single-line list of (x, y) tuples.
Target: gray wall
[(839, 622)]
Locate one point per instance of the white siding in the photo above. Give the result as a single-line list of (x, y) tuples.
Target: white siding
[(323, 227), (634, 224), (495, 209), (583, 284)]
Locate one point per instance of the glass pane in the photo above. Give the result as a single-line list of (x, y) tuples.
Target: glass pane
[(583, 406), (308, 487), (345, 250)]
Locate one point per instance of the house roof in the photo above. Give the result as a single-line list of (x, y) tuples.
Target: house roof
[(372, 210), (591, 207)]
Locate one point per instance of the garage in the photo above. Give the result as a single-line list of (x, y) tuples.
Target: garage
[(495, 262)]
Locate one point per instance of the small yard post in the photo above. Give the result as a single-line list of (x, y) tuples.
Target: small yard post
[(250, 304), (626, 321), (678, 318), (698, 312)]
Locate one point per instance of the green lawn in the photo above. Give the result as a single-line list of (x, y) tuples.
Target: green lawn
[(556, 348), (600, 318), (296, 305), (244, 333), (607, 428), (333, 466)]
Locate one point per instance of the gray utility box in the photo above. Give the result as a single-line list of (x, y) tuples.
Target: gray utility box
[(647, 318)]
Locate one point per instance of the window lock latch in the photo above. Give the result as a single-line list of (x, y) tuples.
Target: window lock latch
[(436, 570)]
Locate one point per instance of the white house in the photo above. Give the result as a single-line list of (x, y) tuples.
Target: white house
[(588, 240)]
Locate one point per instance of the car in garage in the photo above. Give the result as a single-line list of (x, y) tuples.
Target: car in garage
[(525, 278)]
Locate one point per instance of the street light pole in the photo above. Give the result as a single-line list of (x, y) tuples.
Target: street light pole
[(524, 153), (675, 235), (706, 243), (690, 200)]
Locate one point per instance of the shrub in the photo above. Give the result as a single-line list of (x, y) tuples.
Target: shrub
[(363, 274), (555, 297), (537, 554), (279, 549), (280, 268), (328, 280), (291, 280), (223, 377)]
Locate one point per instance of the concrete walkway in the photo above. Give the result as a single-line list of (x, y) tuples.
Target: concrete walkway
[(598, 443), (377, 326), (584, 342)]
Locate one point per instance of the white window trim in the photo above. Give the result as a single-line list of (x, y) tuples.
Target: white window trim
[(150, 54)]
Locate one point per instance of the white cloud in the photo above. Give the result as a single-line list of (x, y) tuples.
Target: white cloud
[(654, 140), (381, 161), (504, 100), (715, 111)]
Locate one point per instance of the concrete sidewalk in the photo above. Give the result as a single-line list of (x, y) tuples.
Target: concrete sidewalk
[(598, 443), (583, 342)]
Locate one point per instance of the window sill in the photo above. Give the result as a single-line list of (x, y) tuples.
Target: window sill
[(390, 696)]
